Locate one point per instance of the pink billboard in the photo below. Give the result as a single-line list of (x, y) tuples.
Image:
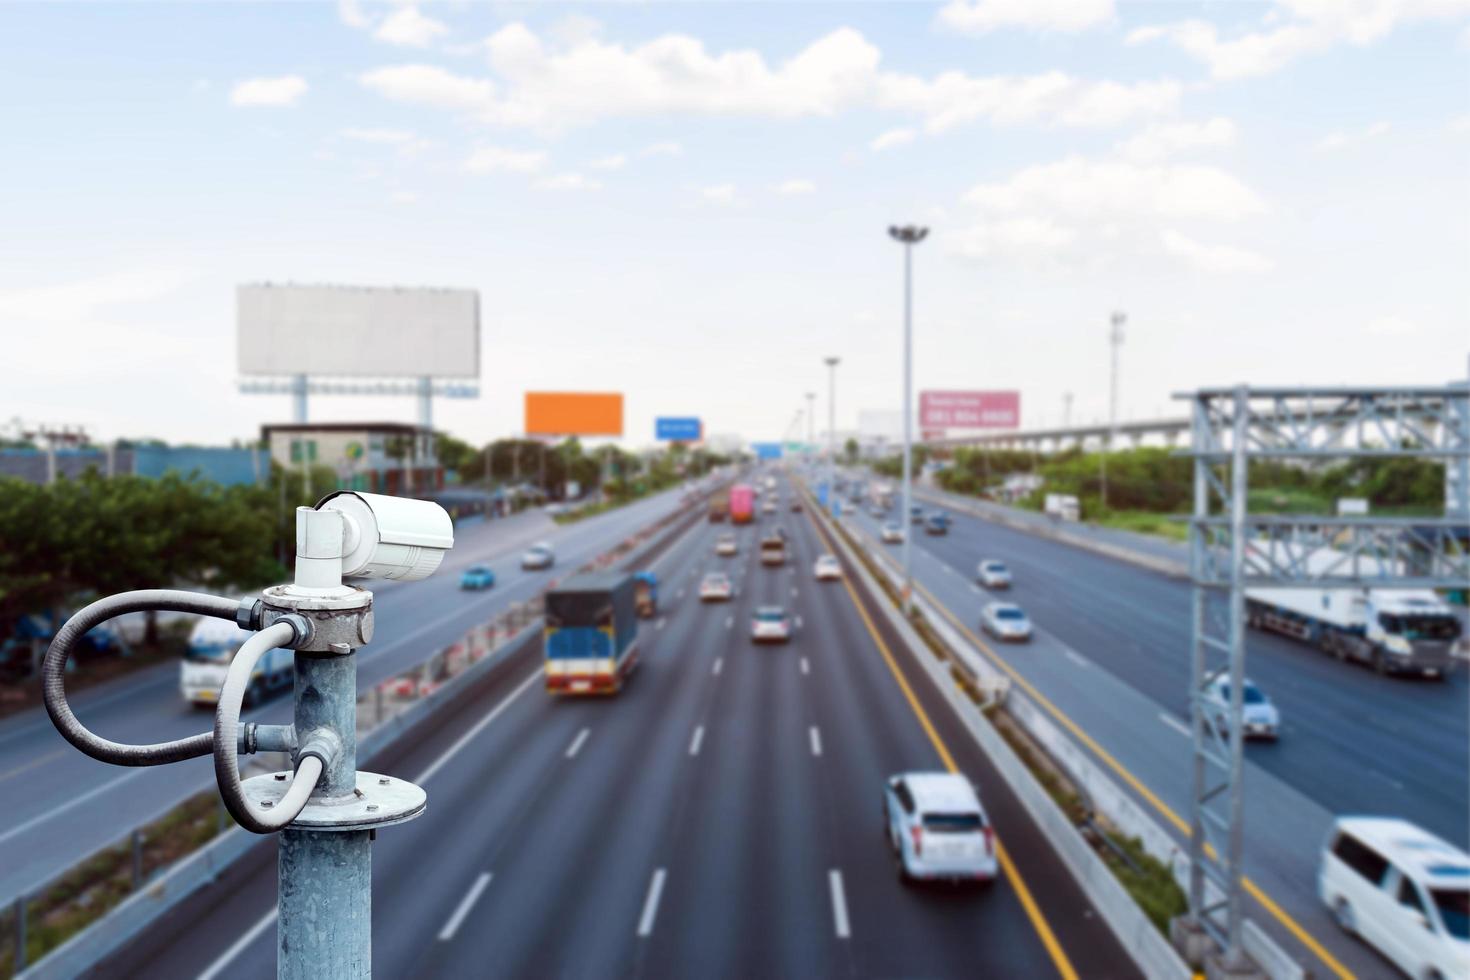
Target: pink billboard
[(969, 409)]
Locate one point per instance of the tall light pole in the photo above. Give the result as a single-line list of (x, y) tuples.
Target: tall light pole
[(831, 363), (811, 422), (908, 236), (1115, 340), (1066, 409)]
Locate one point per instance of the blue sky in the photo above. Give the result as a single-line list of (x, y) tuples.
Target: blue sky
[(687, 202)]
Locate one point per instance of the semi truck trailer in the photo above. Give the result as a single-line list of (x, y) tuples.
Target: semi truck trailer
[(1395, 631)]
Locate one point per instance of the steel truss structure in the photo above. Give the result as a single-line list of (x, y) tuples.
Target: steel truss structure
[(1232, 550)]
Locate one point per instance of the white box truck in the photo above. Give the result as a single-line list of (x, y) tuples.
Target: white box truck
[(212, 645), (1396, 631), (1062, 507)]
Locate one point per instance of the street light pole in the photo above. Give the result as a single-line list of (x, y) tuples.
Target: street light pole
[(831, 363), (908, 236), (811, 422), (1115, 340)]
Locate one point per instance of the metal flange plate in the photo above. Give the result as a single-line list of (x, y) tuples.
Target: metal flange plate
[(380, 801)]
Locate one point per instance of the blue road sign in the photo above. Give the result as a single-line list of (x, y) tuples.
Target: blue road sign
[(766, 450), (678, 429)]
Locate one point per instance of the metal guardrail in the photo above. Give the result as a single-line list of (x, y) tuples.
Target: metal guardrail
[(385, 713)]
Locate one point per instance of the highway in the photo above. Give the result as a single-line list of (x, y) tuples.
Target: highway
[(55, 794), (719, 818), (1110, 657)]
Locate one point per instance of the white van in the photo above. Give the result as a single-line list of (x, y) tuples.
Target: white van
[(1401, 890), (212, 645)]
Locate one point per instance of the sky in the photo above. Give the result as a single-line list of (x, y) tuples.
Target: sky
[(688, 203)]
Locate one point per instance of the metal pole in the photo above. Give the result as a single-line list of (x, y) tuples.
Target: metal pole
[(298, 399), (832, 432), (1198, 544), (1239, 485), (811, 422), (909, 236), (1066, 409), (325, 924), (908, 435), (1115, 339)]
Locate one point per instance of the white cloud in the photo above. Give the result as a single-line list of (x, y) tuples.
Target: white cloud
[(350, 13), (497, 159), (666, 149), (430, 85), (1163, 141), (394, 137), (403, 198), (982, 16), (954, 98), (1082, 211), (795, 186), (1219, 259), (409, 28), (1295, 28), (719, 194), (1391, 326), (1342, 139), (1459, 124), (567, 182), (1093, 190), (87, 299), (281, 91), (614, 161), (892, 138), (551, 85), (1026, 238)]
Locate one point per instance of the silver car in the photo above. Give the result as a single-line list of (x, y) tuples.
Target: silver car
[(1259, 716), (1005, 621), (993, 574), (937, 828), (538, 556)]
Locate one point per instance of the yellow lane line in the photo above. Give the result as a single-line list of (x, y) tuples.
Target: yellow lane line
[(1251, 888), (1013, 875)]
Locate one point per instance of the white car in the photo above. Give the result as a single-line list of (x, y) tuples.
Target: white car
[(1005, 621), (993, 574), (538, 556), (892, 533), (769, 506), (1402, 890), (726, 546), (770, 624), (716, 587), (937, 828), (828, 567), (1260, 717)]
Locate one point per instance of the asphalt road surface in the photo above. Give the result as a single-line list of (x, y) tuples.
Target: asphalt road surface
[(719, 818)]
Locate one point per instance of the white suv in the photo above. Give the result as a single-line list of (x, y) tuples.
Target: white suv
[(937, 828), (1401, 890)]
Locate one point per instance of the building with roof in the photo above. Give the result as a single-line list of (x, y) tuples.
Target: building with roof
[(378, 457)]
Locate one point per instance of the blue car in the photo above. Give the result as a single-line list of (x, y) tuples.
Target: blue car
[(477, 577)]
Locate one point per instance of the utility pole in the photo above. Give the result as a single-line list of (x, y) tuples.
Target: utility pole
[(832, 363), (1066, 409), (1115, 340), (811, 422), (908, 236)]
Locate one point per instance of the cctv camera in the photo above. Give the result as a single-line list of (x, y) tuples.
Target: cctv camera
[(389, 537)]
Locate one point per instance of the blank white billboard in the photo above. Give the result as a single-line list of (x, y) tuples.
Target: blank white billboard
[(358, 331)]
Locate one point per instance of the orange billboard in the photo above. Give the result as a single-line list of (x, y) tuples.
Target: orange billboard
[(573, 413)]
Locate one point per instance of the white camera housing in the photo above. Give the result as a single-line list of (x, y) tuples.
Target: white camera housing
[(380, 537)]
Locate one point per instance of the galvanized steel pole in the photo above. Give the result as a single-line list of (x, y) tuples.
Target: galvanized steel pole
[(909, 236), (832, 363)]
